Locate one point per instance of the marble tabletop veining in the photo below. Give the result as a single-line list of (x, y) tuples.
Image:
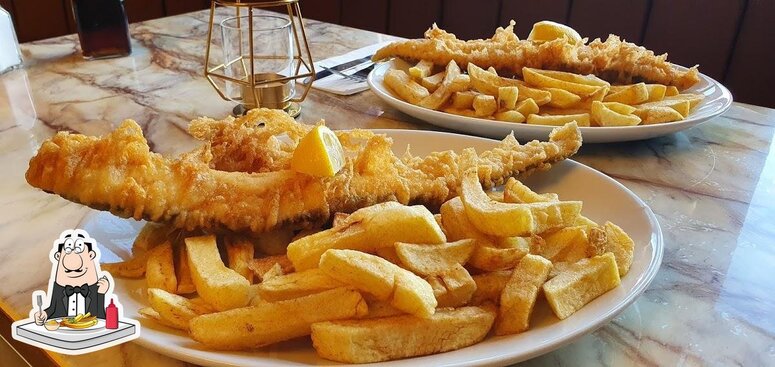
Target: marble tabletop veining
[(712, 188)]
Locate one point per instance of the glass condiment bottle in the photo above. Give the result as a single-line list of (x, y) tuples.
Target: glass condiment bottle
[(102, 28), (10, 57)]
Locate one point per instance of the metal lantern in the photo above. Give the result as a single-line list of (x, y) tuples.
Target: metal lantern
[(264, 53)]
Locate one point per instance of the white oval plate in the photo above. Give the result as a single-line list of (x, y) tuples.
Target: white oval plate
[(604, 199), (717, 101)]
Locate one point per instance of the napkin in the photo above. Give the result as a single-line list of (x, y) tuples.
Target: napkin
[(343, 86)]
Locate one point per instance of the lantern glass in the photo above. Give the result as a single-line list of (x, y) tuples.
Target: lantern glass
[(272, 56), (261, 56)]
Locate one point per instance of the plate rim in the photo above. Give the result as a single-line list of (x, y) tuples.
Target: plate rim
[(592, 133), (208, 357)]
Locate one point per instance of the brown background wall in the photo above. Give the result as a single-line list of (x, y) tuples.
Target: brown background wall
[(729, 39)]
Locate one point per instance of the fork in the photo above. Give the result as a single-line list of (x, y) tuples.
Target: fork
[(358, 77)]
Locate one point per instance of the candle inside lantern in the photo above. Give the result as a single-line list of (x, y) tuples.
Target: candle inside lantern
[(267, 92)]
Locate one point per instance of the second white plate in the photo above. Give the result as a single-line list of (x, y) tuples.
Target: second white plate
[(717, 100)]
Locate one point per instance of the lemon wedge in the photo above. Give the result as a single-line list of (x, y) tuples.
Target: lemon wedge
[(319, 153), (546, 30)]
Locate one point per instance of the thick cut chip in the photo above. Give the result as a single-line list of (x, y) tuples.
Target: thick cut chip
[(263, 265), (694, 99), (484, 81), (407, 89), (464, 100), (183, 271), (505, 255), (272, 322), (132, 268), (152, 235), (484, 105), (239, 252), (516, 192), (507, 97), (622, 108), (160, 268), (657, 115), (671, 91), (383, 339), (682, 106), (527, 107), (221, 287), (562, 98), (604, 116), (422, 69), (566, 244), (458, 227), (433, 82), (656, 92), (453, 287), (369, 229), (520, 294), (539, 96), (588, 79), (295, 285), (434, 259), (152, 314), (379, 309), (453, 82), (582, 282), (582, 119), (383, 279), (176, 310), (508, 220), (539, 79), (629, 94), (489, 287), (621, 245), (509, 116)]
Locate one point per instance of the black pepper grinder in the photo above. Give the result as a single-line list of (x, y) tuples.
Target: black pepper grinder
[(102, 28)]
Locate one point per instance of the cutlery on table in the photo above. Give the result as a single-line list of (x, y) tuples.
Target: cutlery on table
[(341, 67), (358, 77)]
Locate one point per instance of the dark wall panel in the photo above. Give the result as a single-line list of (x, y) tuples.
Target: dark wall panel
[(410, 19), (751, 74), (323, 10), (140, 10), (41, 19), (184, 6), (471, 19), (694, 32), (370, 15), (592, 18), (527, 12)]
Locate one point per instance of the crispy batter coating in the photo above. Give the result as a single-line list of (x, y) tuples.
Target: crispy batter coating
[(240, 180), (613, 59), (118, 173)]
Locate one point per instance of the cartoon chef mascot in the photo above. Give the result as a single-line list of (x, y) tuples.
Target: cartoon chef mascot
[(76, 287)]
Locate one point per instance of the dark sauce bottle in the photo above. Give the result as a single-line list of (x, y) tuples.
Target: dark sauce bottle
[(102, 28)]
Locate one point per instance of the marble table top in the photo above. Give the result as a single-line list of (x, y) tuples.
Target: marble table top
[(712, 188)]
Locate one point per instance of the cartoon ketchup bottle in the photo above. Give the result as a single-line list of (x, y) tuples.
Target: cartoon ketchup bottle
[(111, 316)]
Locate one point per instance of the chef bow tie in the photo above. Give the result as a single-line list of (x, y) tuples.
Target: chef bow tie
[(83, 290)]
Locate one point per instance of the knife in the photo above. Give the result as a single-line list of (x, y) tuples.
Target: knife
[(342, 67)]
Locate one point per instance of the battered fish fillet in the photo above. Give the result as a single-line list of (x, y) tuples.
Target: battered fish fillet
[(118, 173), (614, 60)]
